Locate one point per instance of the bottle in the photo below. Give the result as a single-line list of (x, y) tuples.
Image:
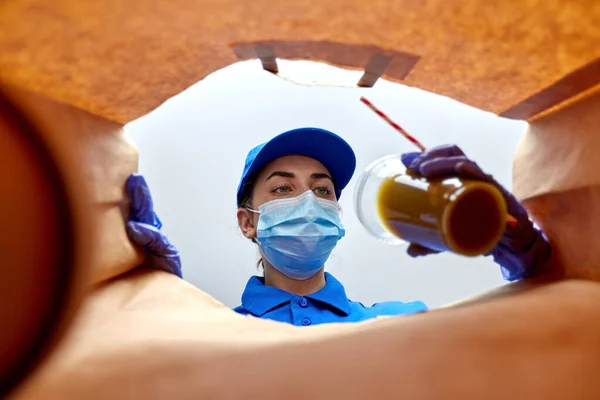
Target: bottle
[(397, 206)]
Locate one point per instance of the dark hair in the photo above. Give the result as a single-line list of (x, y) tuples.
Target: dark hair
[(246, 202), (246, 198)]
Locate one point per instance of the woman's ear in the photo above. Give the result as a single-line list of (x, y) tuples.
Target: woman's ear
[(246, 223)]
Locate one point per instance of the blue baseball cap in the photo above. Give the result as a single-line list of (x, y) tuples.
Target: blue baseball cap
[(324, 146)]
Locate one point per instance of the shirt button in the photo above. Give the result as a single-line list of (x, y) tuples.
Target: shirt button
[(303, 302), (305, 322)]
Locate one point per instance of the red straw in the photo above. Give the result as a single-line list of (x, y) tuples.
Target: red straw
[(393, 124), (512, 221)]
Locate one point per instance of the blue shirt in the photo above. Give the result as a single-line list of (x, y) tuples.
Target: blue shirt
[(329, 304)]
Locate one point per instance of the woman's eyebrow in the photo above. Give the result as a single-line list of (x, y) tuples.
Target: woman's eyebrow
[(321, 176), (283, 174)]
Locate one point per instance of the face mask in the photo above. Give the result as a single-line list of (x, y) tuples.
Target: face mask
[(297, 235)]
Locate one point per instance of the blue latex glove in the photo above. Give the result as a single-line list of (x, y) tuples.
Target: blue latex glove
[(523, 249), (143, 228)]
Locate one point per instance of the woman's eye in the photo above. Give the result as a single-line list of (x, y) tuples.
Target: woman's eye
[(281, 189), (323, 191)]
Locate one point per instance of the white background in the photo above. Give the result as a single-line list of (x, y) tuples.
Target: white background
[(193, 147)]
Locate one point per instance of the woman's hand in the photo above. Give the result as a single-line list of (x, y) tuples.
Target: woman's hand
[(523, 249), (143, 228)]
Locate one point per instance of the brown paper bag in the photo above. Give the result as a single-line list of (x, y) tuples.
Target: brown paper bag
[(151, 335), (62, 184), (147, 334)]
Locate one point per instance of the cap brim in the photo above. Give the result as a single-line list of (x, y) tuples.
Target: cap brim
[(324, 146)]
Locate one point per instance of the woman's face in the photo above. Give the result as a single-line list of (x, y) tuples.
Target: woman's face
[(286, 177)]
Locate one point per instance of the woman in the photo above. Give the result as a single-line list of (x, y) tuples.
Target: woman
[(287, 205)]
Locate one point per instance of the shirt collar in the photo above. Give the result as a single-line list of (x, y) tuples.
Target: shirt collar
[(259, 299), (332, 294)]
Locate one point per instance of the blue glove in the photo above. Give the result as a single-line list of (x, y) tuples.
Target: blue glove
[(143, 228), (523, 249)]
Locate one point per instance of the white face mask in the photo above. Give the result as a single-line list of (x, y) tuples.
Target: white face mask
[(297, 235)]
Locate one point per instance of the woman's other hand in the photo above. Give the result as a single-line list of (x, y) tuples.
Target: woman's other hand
[(143, 228), (523, 249)]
